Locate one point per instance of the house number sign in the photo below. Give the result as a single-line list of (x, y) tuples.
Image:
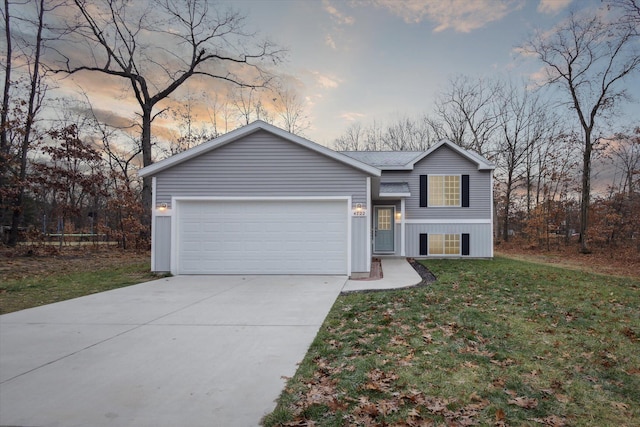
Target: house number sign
[(359, 210)]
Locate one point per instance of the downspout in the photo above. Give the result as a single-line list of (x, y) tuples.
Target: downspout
[(491, 206), (369, 222), (402, 227), (153, 223)]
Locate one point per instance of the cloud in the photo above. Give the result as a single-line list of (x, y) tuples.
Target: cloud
[(326, 82), (337, 16), (351, 116), (330, 42), (552, 7), (460, 15)]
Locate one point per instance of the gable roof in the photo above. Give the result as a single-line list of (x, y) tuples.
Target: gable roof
[(384, 159), (483, 164), (247, 130), (406, 160)]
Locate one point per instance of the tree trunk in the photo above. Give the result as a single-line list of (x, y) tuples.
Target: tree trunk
[(146, 161), (507, 204), (586, 194), (4, 111)]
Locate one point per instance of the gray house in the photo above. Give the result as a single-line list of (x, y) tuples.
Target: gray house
[(260, 200)]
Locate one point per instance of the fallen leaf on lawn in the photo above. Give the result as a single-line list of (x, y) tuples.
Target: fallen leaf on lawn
[(619, 405), (436, 406), (300, 422), (398, 340), (335, 405), (475, 397), (500, 415), (524, 402), (414, 413), (633, 371), (506, 362), (551, 421), (498, 382)]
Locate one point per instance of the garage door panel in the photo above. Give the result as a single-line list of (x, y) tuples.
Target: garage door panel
[(262, 237)]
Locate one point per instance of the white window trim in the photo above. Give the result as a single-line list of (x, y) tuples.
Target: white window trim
[(450, 221), (429, 205)]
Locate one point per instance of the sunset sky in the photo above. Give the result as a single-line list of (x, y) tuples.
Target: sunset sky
[(366, 60)]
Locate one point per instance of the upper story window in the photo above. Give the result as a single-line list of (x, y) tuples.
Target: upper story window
[(444, 190)]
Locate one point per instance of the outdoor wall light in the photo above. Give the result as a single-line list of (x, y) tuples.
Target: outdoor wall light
[(163, 207), (358, 207), (398, 216)]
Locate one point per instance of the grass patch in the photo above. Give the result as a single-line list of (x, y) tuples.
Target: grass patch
[(491, 342), (35, 290)]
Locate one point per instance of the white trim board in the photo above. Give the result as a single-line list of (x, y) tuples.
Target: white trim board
[(449, 221)]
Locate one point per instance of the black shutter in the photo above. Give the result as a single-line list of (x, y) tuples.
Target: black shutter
[(423, 244), (423, 191), (465, 244), (465, 191)]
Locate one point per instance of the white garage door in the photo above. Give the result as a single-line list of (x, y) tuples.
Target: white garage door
[(262, 237)]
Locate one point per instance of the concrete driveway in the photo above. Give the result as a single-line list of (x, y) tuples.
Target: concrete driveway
[(179, 351)]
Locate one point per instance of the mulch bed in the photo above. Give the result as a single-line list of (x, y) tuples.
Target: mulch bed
[(427, 276), (376, 271)]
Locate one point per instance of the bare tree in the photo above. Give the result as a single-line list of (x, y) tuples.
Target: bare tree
[(466, 108), (588, 56), (191, 130), (625, 153), (243, 100), (290, 108), (407, 134), (352, 139), (218, 109), (158, 45), (522, 125), (630, 10), (15, 164)]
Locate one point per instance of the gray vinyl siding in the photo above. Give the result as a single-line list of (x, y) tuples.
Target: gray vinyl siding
[(480, 237), (445, 161), (359, 230), (261, 165), (162, 243)]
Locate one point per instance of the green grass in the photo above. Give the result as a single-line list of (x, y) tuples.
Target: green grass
[(18, 294), (492, 342)]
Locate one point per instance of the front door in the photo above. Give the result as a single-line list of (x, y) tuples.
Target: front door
[(383, 229)]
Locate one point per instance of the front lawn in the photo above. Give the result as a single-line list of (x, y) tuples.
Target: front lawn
[(491, 342), (31, 281)]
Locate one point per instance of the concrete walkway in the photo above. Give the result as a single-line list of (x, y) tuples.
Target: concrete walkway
[(397, 273), (180, 351)]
